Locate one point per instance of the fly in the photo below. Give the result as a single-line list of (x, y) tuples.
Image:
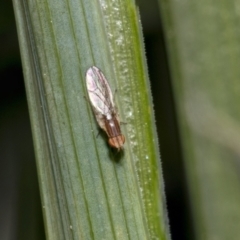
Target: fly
[(101, 99)]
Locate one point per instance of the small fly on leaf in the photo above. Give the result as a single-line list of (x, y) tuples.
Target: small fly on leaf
[(101, 99)]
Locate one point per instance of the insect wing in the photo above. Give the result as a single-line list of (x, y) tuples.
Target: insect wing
[(99, 92)]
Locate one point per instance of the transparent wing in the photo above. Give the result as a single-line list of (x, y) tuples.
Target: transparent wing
[(99, 92)]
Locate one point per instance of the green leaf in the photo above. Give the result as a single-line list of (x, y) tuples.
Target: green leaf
[(88, 190)]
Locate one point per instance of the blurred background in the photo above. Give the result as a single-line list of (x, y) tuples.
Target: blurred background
[(200, 162)]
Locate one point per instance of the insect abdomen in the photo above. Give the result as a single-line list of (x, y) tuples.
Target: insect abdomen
[(116, 139)]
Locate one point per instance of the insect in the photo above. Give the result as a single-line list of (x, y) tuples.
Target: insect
[(101, 99)]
